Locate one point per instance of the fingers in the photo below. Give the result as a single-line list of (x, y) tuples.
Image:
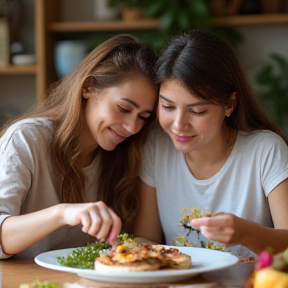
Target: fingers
[(217, 234), (216, 220), (219, 227), (209, 228), (96, 219), (115, 228), (198, 222)]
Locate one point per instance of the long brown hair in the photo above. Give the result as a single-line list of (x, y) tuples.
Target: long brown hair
[(113, 62), (208, 67)]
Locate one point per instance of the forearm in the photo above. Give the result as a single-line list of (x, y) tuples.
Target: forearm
[(258, 238), (20, 232), (147, 223)]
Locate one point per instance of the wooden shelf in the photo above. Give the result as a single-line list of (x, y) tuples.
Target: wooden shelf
[(18, 70), (104, 25), (147, 24), (260, 19)]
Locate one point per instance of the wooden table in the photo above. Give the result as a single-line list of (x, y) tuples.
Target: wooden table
[(13, 273)]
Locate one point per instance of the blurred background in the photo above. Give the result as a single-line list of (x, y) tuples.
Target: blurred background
[(42, 40)]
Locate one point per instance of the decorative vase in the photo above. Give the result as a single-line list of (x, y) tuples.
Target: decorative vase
[(68, 54), (103, 12), (131, 13)]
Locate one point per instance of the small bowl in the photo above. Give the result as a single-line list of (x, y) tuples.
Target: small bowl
[(23, 59)]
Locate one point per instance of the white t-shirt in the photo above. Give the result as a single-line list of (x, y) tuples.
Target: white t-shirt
[(28, 183), (256, 165)]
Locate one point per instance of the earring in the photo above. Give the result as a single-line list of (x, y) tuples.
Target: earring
[(228, 111)]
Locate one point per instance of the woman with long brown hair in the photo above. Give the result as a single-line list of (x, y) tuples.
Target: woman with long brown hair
[(72, 163)]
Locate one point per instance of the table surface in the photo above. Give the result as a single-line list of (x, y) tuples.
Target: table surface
[(15, 272)]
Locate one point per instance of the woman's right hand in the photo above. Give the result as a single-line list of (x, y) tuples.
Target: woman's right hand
[(96, 218)]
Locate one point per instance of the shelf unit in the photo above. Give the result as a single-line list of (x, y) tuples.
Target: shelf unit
[(238, 20), (18, 70), (48, 27), (245, 20), (104, 26)]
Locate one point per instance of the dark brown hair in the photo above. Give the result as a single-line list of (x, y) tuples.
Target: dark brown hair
[(207, 67), (115, 61)]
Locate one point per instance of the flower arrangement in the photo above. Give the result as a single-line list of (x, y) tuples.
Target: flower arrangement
[(184, 221), (270, 271)]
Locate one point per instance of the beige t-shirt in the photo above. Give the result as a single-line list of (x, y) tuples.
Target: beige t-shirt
[(28, 183)]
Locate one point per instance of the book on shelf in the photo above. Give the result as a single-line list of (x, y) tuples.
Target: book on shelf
[(4, 42)]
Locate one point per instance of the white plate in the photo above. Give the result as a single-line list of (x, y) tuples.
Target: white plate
[(203, 260)]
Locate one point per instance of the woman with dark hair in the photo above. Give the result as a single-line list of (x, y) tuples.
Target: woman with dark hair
[(226, 157), (72, 163)]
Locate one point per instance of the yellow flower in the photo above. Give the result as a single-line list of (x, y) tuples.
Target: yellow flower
[(182, 241), (182, 221), (215, 247), (184, 211), (196, 212)]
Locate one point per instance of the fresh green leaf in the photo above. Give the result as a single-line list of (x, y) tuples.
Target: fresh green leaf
[(39, 284), (83, 257), (168, 20), (154, 10)]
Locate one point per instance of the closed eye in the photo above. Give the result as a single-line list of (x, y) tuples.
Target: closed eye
[(144, 118), (123, 110), (197, 113), (167, 107)]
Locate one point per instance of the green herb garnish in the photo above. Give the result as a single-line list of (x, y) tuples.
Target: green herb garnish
[(123, 236), (83, 257), (38, 284)]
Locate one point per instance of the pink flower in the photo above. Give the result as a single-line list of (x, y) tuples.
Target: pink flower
[(265, 259)]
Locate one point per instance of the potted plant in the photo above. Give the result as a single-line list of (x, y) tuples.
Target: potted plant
[(130, 9), (182, 15), (179, 16), (272, 87)]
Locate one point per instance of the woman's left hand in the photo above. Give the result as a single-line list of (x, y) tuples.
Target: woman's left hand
[(221, 227)]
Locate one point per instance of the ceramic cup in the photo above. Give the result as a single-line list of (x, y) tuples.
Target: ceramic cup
[(103, 11), (68, 54)]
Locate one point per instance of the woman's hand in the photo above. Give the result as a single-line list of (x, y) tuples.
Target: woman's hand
[(221, 227), (96, 219)]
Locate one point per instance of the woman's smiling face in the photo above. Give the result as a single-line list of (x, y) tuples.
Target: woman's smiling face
[(115, 113), (191, 122)]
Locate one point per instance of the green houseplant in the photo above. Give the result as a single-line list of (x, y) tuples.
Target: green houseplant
[(178, 16), (182, 15), (174, 13), (130, 9), (272, 87)]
